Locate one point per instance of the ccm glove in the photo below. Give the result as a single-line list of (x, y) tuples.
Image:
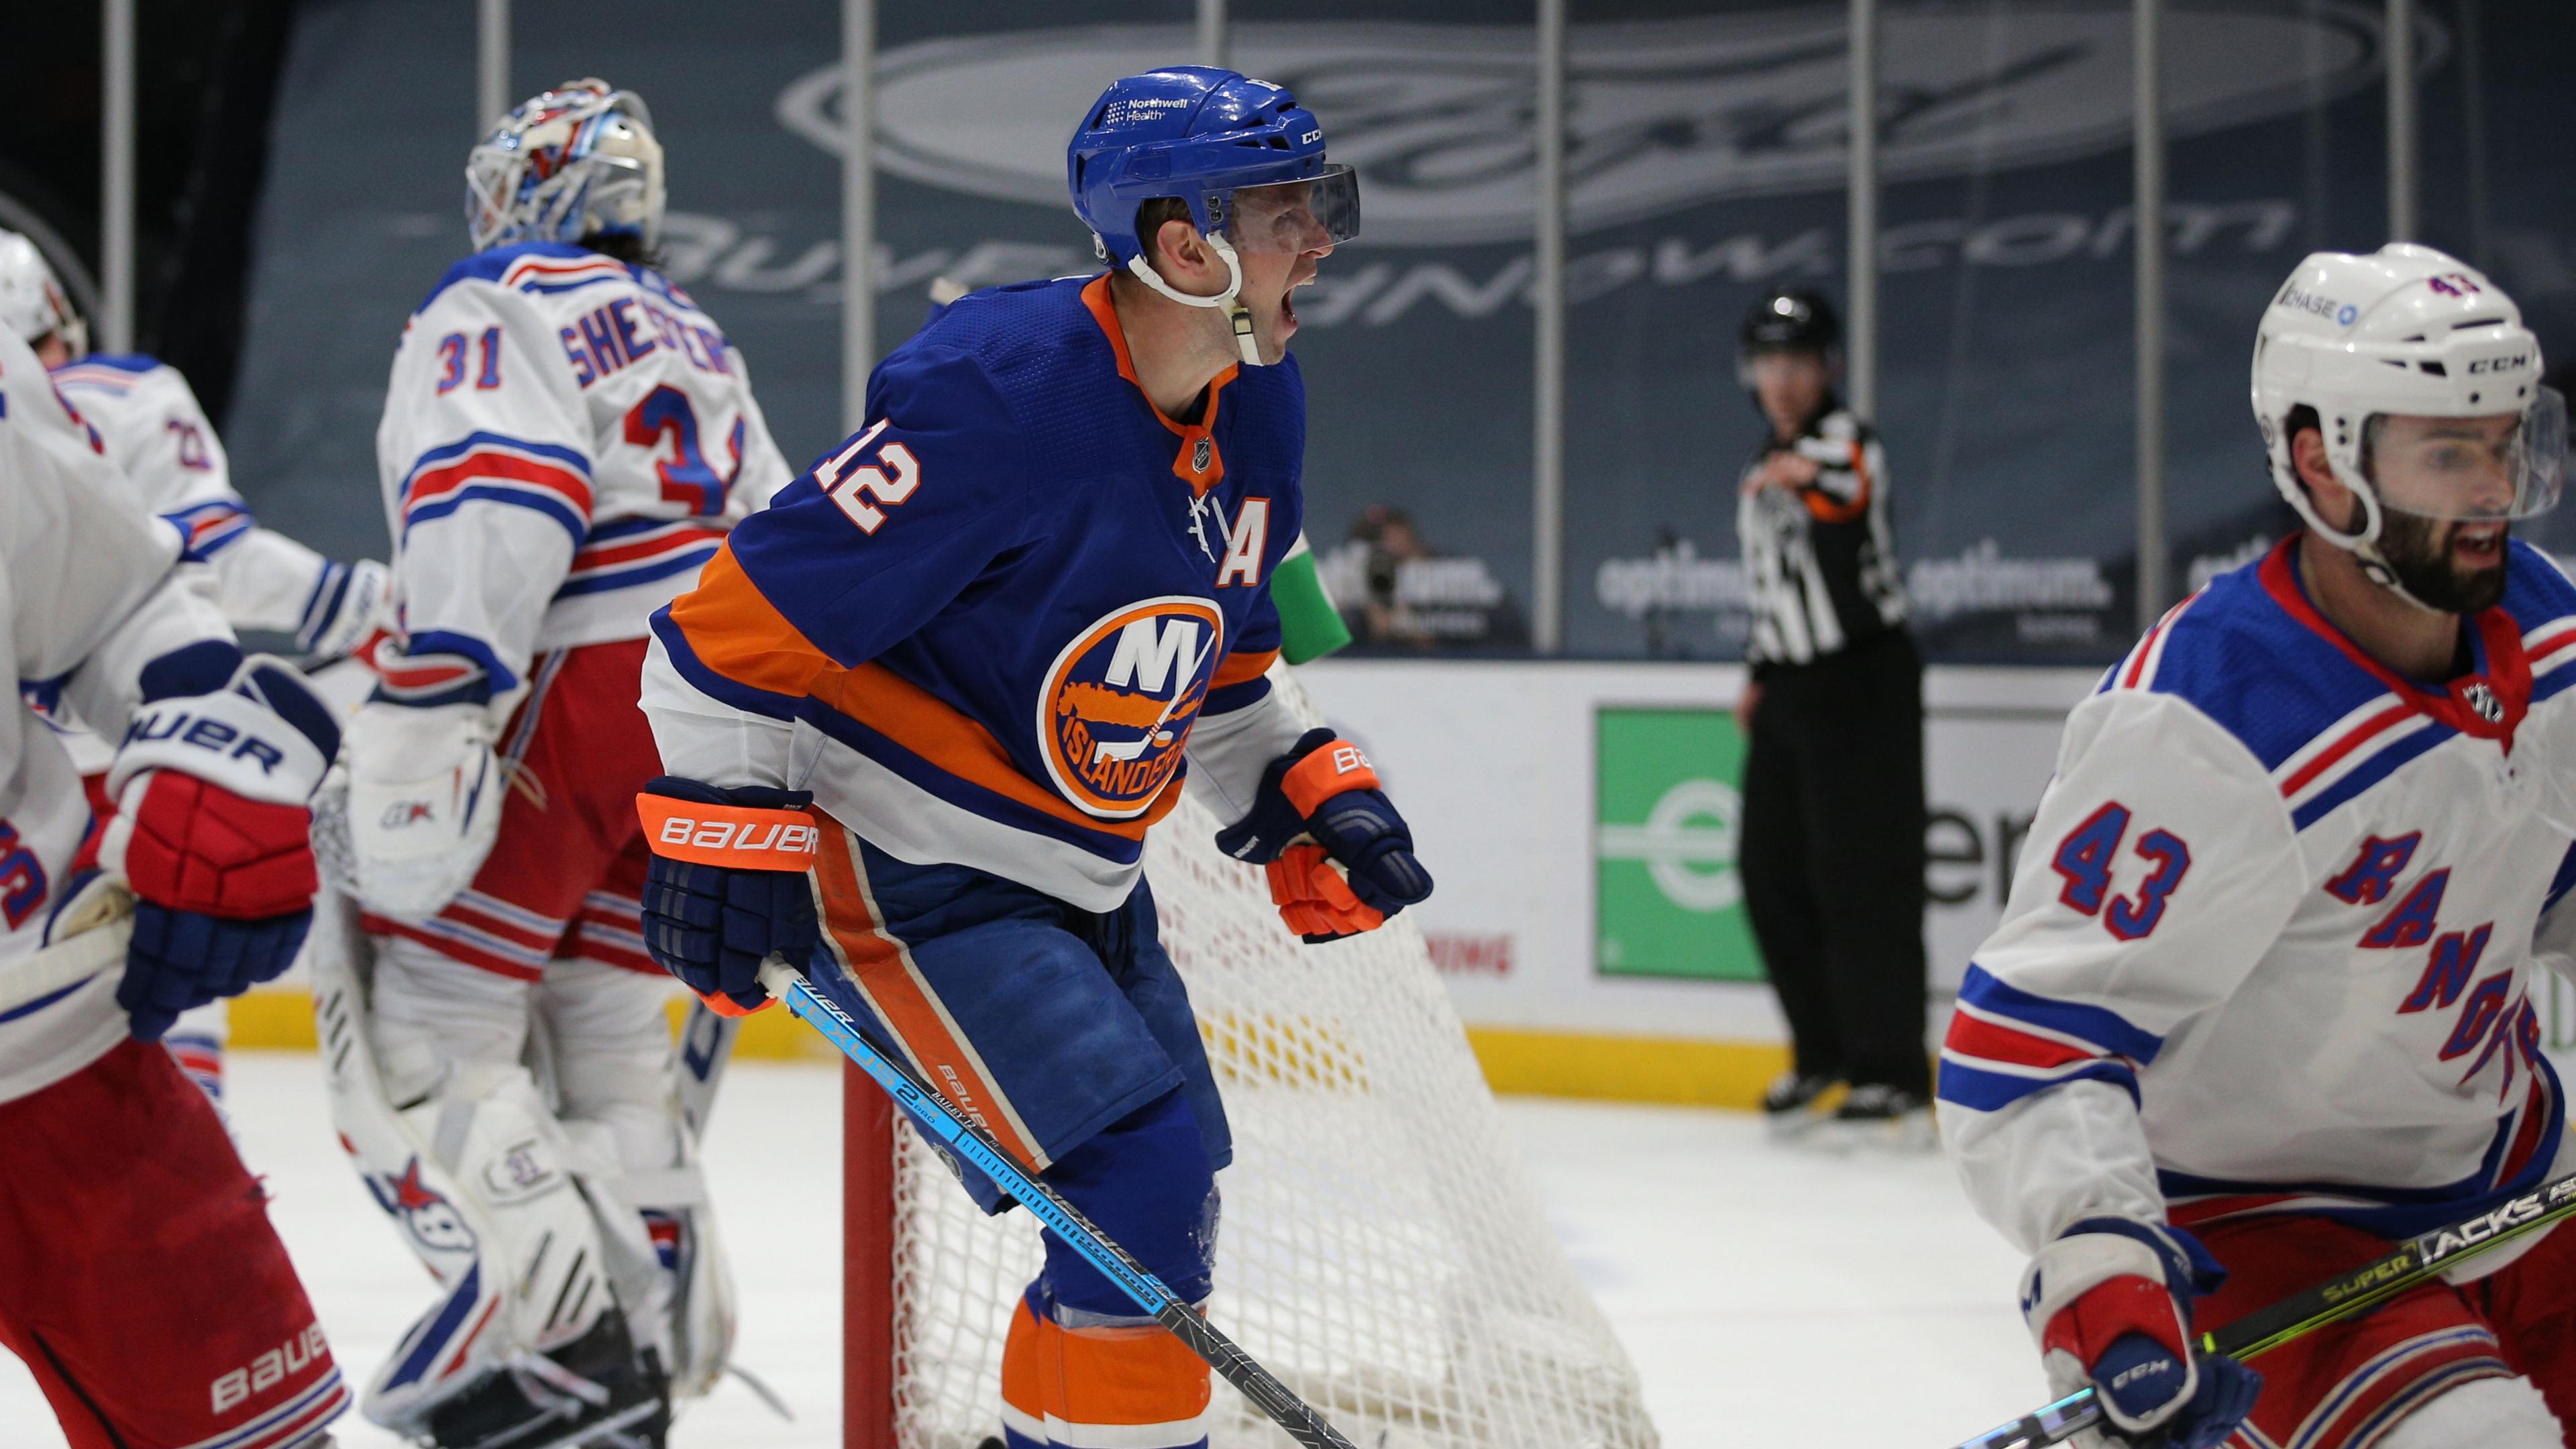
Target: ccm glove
[(727, 888), (212, 834), (2110, 1303), (1340, 859)]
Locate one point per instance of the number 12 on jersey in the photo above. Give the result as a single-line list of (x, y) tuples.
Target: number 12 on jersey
[(850, 485), (2086, 857)]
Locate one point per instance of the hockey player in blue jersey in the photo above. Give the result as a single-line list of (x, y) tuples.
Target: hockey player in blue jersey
[(979, 639)]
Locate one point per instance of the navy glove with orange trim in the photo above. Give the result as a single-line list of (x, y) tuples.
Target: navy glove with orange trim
[(726, 889), (1340, 858)]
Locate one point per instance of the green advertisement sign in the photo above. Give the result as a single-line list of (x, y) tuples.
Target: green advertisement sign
[(1667, 800)]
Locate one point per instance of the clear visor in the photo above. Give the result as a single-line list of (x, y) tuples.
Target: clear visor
[(1305, 215), (2496, 467)]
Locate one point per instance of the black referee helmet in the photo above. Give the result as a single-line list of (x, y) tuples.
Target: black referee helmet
[(1791, 321)]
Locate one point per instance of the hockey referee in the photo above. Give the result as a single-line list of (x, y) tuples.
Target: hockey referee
[(1832, 840)]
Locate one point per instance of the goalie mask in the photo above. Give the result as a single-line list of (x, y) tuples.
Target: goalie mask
[(32, 302), (574, 162), (2426, 391)]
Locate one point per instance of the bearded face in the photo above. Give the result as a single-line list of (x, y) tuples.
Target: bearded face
[(2458, 568)]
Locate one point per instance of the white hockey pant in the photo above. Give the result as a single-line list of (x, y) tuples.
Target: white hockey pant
[(2488, 1413)]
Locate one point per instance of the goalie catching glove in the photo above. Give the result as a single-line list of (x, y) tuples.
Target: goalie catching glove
[(2110, 1303), (1340, 859), (727, 889), (211, 829)]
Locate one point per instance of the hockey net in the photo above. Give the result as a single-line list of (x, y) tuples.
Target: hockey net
[(1380, 1250)]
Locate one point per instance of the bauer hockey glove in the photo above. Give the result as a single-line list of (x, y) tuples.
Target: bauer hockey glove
[(1340, 859), (2110, 1303), (211, 829), (727, 887)]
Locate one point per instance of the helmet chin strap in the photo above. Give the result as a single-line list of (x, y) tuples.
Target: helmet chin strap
[(2364, 545), (2376, 568), (1238, 316)]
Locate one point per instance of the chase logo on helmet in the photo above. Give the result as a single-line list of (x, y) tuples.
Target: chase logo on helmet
[(1120, 699)]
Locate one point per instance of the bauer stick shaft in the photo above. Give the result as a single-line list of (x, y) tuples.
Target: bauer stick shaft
[(977, 1146), (2414, 1262)]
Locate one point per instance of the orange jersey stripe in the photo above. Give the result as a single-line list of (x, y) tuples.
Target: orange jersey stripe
[(735, 631), (923, 723), (903, 1003), (1242, 667)]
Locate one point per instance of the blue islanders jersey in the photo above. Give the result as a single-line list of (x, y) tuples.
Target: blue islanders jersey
[(990, 628), (2271, 943)]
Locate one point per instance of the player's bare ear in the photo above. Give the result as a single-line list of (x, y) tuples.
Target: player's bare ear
[(2308, 455), (1187, 250)]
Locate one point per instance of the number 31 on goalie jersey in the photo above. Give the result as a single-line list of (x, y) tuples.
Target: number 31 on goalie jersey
[(865, 490)]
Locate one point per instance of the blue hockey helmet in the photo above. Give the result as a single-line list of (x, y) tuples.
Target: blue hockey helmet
[(1245, 158)]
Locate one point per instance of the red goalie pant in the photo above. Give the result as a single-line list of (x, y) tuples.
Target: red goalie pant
[(139, 1276), (2344, 1386)]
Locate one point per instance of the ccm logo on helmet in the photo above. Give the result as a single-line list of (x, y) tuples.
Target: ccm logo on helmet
[(756, 836), (2514, 363)]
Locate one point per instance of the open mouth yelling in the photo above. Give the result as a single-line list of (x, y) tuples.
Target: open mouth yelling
[(2478, 545)]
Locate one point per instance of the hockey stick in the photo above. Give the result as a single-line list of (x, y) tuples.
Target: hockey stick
[(89, 935), (2416, 1261), (977, 1146)]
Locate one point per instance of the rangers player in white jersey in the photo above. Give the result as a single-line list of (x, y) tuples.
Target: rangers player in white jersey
[(2261, 1001), (566, 438), (148, 420), (139, 1277)]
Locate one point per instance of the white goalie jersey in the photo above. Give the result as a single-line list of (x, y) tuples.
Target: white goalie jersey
[(565, 440), (90, 592), (152, 428), (2270, 946)]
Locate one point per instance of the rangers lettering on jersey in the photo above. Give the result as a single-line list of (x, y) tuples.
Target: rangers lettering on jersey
[(2271, 871)]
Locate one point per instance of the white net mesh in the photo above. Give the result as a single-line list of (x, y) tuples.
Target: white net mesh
[(1380, 1251)]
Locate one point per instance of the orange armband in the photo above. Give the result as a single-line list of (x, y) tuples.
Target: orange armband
[(1326, 771), (744, 837)]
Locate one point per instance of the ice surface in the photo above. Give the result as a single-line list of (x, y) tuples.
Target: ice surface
[(1769, 1297)]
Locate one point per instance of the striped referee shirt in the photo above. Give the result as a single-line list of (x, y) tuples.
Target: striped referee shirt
[(1820, 561)]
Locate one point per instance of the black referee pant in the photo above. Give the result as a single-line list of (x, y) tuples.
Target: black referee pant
[(1831, 855)]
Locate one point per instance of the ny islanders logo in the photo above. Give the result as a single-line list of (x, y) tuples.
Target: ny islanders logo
[(1119, 701)]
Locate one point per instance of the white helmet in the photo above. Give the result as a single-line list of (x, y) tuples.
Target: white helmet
[(32, 302), (576, 161), (2409, 331)]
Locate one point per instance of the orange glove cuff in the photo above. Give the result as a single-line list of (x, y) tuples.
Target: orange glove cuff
[(744, 837), (1325, 772)]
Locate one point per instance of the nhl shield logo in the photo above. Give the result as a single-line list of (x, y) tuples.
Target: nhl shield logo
[(1120, 700), (2482, 702), (1200, 452)]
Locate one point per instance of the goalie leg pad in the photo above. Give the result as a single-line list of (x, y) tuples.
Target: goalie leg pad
[(609, 1043), (534, 1258)]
